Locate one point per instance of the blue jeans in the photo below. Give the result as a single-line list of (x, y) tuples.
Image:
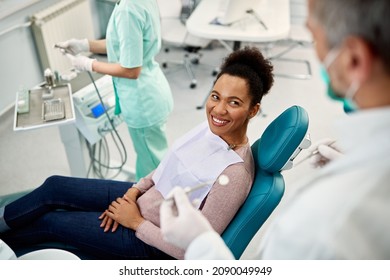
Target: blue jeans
[(66, 210)]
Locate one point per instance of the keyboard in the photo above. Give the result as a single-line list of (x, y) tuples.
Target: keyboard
[(53, 110)]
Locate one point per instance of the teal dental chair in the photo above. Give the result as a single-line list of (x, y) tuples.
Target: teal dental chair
[(275, 151), (279, 144)]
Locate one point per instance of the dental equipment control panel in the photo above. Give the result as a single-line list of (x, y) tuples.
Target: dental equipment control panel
[(94, 116)]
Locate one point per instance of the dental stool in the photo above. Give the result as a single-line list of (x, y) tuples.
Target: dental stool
[(275, 151), (49, 254)]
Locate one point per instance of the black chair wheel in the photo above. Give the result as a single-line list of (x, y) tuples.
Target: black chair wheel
[(195, 61)]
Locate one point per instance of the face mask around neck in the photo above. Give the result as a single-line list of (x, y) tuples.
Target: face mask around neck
[(348, 102)]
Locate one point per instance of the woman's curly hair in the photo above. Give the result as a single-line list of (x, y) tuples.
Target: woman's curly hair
[(249, 64)]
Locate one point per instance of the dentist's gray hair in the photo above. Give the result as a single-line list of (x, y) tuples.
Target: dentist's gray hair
[(368, 19)]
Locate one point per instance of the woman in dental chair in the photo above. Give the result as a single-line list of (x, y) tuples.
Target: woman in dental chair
[(120, 220)]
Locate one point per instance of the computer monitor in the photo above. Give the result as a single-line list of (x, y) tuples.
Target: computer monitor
[(231, 11)]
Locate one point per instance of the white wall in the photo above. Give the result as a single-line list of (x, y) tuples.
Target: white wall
[(298, 11)]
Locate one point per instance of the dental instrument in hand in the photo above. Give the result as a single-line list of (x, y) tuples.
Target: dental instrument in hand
[(61, 49), (222, 180), (313, 153)]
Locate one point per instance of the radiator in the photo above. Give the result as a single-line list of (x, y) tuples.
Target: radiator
[(62, 21)]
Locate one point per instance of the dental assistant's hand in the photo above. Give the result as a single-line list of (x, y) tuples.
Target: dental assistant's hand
[(125, 212), (81, 63), (73, 46), (183, 227), (326, 152)]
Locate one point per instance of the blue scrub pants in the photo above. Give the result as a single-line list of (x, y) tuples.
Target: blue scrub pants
[(150, 145), (66, 209)]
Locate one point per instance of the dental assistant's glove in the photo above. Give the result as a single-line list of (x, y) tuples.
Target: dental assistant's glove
[(326, 152), (183, 227), (73, 46), (81, 63)]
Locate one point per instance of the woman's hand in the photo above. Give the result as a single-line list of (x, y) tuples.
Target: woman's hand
[(133, 194), (125, 212), (107, 222)]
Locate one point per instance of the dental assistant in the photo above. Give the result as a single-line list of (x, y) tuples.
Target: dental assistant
[(143, 95), (342, 211)]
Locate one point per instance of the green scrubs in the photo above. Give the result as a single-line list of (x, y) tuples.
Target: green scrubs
[(133, 40)]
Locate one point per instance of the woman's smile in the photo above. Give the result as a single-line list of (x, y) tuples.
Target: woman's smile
[(219, 121)]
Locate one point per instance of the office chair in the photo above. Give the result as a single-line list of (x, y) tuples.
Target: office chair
[(275, 151), (298, 38), (174, 34)]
